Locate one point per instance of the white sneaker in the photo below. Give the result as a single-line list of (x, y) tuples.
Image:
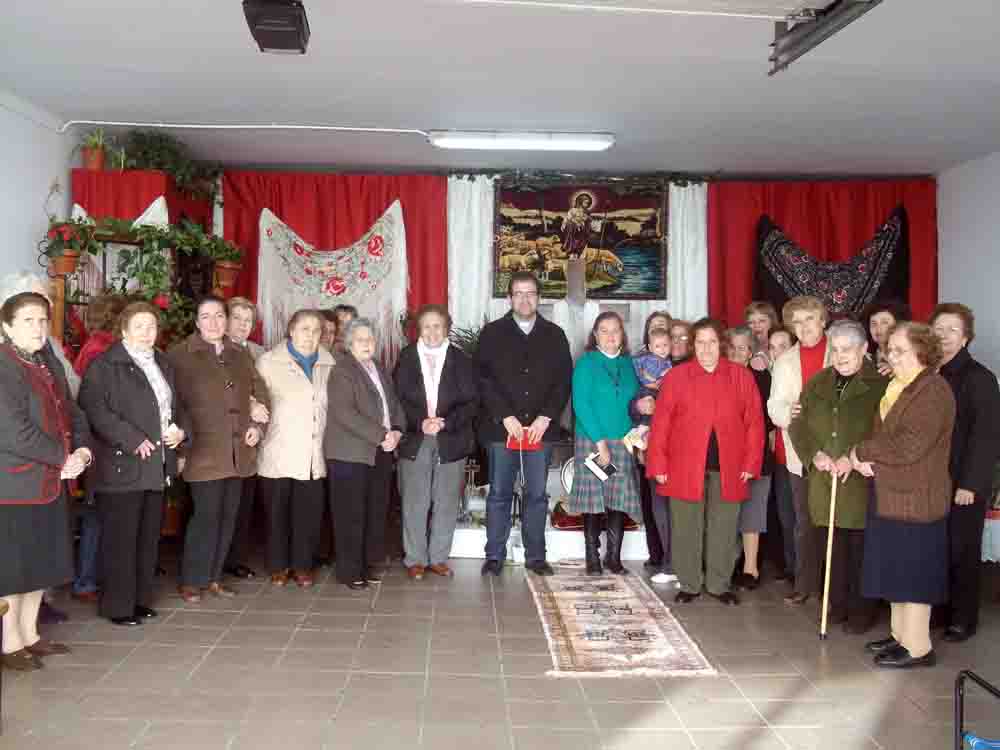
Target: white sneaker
[(663, 578)]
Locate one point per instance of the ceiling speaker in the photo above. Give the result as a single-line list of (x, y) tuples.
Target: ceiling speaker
[(278, 26)]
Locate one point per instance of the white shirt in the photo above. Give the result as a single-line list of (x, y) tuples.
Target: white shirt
[(432, 373)]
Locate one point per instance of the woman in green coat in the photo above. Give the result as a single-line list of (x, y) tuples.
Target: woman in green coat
[(838, 410)]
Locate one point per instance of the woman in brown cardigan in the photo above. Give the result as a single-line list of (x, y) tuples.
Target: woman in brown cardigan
[(906, 541), (227, 402)]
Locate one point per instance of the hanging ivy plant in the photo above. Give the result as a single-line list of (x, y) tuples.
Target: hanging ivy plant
[(154, 149)]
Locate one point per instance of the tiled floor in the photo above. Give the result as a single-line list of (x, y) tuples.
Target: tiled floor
[(460, 664)]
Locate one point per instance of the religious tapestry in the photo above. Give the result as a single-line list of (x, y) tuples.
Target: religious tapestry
[(371, 274), (619, 230), (880, 270)]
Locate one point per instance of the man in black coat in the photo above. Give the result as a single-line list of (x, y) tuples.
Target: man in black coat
[(975, 449), (526, 376)]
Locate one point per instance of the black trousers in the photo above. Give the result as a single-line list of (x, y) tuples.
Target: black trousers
[(294, 512), (359, 500), (653, 543), (210, 530), (965, 532), (130, 539), (239, 549), (806, 539), (845, 573)]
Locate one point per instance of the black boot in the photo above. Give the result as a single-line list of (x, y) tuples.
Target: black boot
[(592, 523), (616, 532)]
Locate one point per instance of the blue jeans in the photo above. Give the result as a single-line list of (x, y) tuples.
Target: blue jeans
[(90, 544), (505, 465)]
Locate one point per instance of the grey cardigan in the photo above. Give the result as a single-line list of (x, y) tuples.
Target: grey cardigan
[(354, 426)]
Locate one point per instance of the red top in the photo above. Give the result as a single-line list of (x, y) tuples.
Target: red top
[(692, 403), (811, 358), (779, 448), (97, 343)]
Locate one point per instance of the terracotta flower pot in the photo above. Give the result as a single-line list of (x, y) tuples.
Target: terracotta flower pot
[(65, 264), (226, 272), (93, 159)]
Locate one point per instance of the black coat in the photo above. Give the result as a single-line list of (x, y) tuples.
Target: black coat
[(458, 403), (975, 442), (522, 376), (763, 380), (122, 408)]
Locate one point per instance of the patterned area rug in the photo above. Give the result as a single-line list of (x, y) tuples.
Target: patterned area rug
[(611, 626)]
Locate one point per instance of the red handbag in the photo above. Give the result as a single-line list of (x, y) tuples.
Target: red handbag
[(523, 444)]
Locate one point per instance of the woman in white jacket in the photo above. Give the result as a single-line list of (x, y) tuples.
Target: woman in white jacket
[(290, 462)]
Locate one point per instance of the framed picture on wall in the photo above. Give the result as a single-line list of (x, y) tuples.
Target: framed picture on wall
[(618, 228)]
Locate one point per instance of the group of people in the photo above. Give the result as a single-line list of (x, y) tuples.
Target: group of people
[(695, 435)]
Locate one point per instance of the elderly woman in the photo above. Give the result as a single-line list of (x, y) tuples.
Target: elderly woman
[(879, 317), (761, 318), (807, 317), (906, 537), (364, 424), (681, 338), (838, 409), (975, 449), (219, 385), (438, 387), (130, 396), (753, 513), (290, 463), (43, 441), (603, 385), (703, 460)]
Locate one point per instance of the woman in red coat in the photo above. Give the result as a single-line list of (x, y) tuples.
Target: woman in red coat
[(705, 445)]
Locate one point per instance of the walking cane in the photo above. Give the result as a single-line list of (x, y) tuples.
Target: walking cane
[(829, 559)]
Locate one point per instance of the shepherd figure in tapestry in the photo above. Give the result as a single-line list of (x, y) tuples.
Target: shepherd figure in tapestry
[(620, 232)]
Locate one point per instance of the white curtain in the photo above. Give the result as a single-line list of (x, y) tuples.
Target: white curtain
[(470, 250), (687, 260)]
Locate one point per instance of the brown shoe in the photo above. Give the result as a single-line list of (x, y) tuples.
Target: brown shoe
[(21, 661), (88, 597), (280, 578), (305, 580), (189, 594), (796, 599), (440, 569), (415, 572), (221, 591), (42, 647)]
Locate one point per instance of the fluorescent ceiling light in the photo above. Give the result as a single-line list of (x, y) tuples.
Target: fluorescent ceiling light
[(491, 140)]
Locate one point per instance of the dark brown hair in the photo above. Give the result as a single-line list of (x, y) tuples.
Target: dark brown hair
[(714, 325), (15, 304), (925, 343), (436, 310), (210, 299), (649, 323), (900, 311), (135, 308), (329, 316), (607, 315), (963, 312), (104, 310), (523, 276), (781, 329)]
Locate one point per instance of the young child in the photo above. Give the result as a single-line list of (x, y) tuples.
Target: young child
[(651, 366)]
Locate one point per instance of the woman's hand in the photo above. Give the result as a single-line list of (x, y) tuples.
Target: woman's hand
[(174, 436), (432, 425), (252, 436), (864, 468), (604, 454), (391, 441), (964, 497), (537, 428), (259, 412), (661, 478), (759, 362), (745, 476), (646, 405), (885, 369), (514, 427), (75, 463), (842, 468), (822, 462), (145, 449)]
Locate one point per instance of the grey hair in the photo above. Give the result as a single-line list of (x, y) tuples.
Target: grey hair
[(16, 283), (354, 325), (846, 328), (740, 331)]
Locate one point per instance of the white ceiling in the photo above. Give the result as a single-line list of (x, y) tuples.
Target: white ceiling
[(912, 87)]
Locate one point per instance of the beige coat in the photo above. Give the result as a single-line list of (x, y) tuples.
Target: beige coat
[(293, 448), (786, 388)]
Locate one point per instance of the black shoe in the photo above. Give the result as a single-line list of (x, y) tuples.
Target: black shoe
[(540, 568), (616, 533), (959, 633), (492, 566), (726, 597), (899, 658), (683, 597), (882, 646), (592, 525), (126, 621), (357, 585), (653, 566), (373, 576), (144, 612), (239, 571), (746, 581)]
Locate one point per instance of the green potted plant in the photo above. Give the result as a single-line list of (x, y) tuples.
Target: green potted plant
[(65, 241), (92, 149), (228, 264), (161, 151)]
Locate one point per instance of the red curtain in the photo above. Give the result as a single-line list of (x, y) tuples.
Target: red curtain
[(126, 194), (829, 220), (333, 210)]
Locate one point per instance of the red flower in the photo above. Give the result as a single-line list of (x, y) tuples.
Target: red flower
[(839, 296), (162, 301), (376, 245), (363, 275), (300, 250), (335, 286), (269, 233), (309, 271)]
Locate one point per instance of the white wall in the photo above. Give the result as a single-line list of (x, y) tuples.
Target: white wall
[(32, 156), (969, 248)]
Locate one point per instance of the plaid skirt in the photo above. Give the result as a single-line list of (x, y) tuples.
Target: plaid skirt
[(591, 495)]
